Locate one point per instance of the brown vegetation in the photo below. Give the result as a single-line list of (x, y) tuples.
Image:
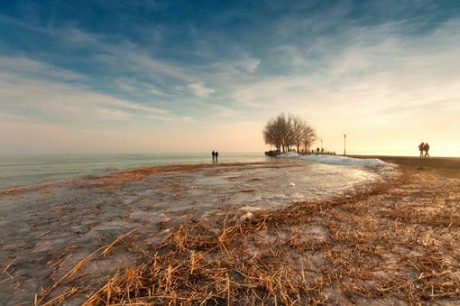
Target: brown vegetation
[(393, 243)]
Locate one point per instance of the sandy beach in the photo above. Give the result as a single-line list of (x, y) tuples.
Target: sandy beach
[(105, 240)]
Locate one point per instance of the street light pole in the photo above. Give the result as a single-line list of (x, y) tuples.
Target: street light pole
[(344, 144)]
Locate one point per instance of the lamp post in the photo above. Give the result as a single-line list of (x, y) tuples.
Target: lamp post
[(344, 144)]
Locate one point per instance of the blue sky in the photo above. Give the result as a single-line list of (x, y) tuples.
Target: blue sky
[(193, 76)]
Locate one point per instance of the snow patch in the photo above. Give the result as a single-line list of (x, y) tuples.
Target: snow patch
[(336, 160)]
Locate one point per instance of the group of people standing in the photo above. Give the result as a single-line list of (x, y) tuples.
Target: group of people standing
[(215, 156), (424, 148)]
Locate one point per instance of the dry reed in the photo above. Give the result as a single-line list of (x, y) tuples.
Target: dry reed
[(390, 243)]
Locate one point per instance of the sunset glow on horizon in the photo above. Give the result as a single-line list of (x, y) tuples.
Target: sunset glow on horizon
[(153, 76)]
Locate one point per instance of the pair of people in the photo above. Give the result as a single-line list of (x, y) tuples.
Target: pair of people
[(424, 148), (215, 155)]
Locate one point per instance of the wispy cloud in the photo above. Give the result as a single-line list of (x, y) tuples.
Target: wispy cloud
[(245, 64), (27, 66), (75, 105), (200, 90), (367, 68), (154, 90)]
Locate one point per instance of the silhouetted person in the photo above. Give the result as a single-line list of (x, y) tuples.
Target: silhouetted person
[(217, 155), (421, 148), (213, 155), (426, 148), (317, 151)]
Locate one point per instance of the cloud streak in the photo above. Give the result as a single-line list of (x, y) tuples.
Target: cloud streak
[(51, 101), (199, 90)]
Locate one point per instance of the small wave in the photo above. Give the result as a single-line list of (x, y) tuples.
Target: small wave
[(336, 160)]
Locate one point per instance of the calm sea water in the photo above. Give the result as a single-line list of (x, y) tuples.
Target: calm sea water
[(21, 170)]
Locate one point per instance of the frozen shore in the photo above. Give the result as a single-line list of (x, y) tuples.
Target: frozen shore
[(49, 229), (238, 234), (391, 243)]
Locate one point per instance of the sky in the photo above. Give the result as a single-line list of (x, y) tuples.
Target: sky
[(147, 76)]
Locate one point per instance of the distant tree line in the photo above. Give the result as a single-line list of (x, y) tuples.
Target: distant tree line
[(284, 132)]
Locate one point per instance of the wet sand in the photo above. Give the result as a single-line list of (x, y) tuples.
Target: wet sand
[(394, 242)]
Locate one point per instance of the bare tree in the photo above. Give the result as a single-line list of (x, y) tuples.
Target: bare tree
[(298, 126), (308, 137), (276, 133), (286, 131), (271, 135), (283, 126)]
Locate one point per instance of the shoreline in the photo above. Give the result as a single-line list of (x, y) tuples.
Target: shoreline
[(392, 242), (52, 229), (26, 170), (413, 161)]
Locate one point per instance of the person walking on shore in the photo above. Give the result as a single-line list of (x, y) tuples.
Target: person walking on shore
[(213, 155), (426, 148), (421, 147)]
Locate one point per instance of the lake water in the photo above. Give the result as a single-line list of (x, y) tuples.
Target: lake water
[(24, 169)]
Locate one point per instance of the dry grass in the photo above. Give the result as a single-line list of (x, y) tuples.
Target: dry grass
[(118, 178), (394, 243), (129, 176)]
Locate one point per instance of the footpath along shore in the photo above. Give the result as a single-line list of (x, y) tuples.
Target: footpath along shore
[(395, 242), (433, 162)]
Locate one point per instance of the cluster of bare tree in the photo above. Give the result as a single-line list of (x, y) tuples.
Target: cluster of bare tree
[(284, 132)]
